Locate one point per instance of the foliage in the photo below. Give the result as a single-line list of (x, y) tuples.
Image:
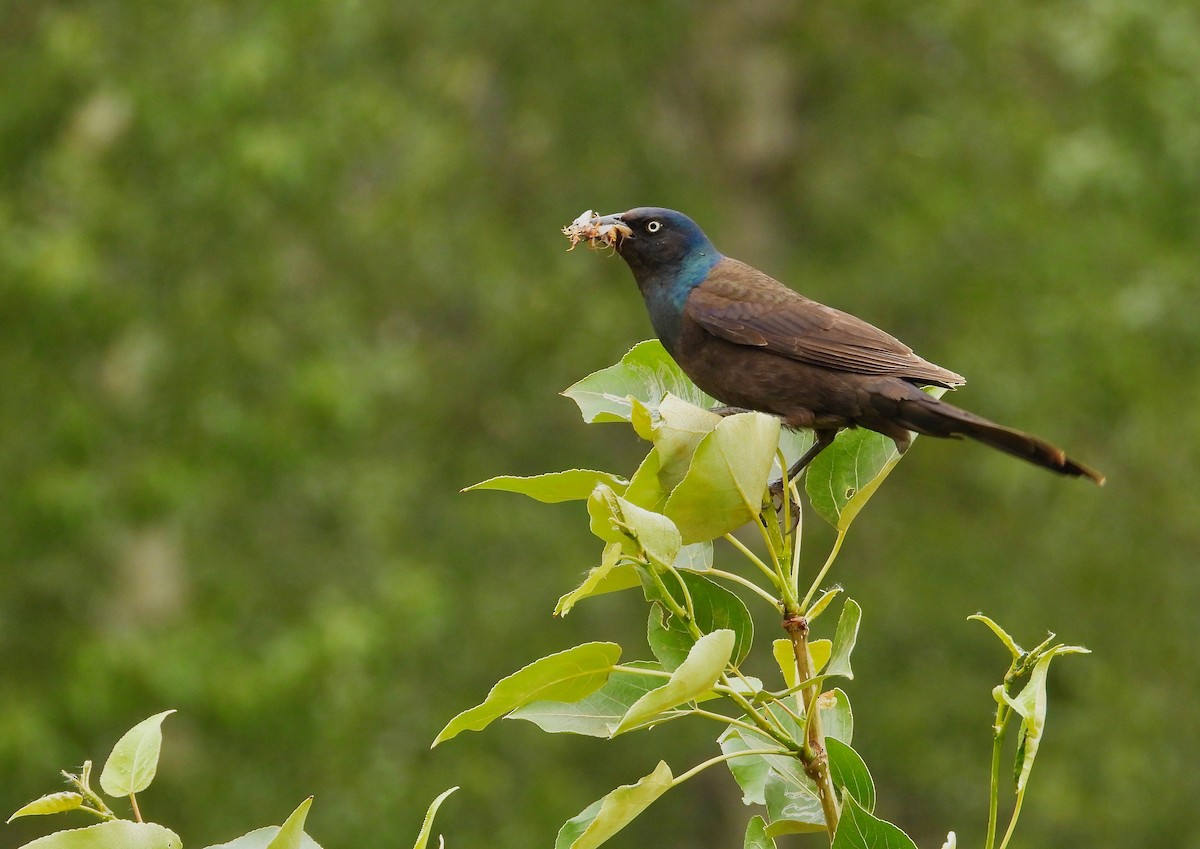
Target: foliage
[(129, 770), (787, 746), (278, 279)]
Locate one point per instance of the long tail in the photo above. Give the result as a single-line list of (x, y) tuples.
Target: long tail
[(933, 417)]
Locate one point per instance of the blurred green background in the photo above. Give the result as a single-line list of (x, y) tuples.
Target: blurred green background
[(278, 278)]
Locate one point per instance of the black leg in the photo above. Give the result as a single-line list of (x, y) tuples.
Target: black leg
[(823, 440), (723, 411)]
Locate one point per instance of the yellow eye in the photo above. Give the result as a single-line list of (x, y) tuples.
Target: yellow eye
[(653, 227)]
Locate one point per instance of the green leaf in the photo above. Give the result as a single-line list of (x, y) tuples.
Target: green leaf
[(680, 428), (818, 606), (843, 477), (693, 679), (134, 760), (785, 659), (849, 772), (610, 576), (114, 834), (261, 838), (605, 817), (775, 780), (837, 718), (858, 829), (1009, 642), (792, 808), (599, 714), (645, 487), (553, 487), (292, 831), (566, 676), (427, 824), (54, 803), (724, 486), (714, 607), (756, 835), (1030, 703), (646, 373), (640, 532), (696, 557), (844, 639)]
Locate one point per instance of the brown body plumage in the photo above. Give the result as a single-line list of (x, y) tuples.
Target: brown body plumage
[(751, 342)]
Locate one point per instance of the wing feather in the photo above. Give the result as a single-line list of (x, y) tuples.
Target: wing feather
[(741, 304)]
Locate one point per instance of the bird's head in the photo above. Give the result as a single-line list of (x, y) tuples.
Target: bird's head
[(654, 240)]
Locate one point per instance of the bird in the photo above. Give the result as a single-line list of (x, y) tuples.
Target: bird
[(754, 343)]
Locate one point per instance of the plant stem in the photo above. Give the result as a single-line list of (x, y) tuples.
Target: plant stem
[(698, 768), (137, 814), (753, 558), (1012, 822), (998, 733), (816, 761), (833, 553), (748, 584)]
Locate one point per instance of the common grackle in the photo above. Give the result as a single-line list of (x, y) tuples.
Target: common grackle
[(753, 343)]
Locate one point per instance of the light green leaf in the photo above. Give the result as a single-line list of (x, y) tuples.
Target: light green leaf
[(605, 817), (640, 532), (693, 679), (134, 760), (114, 834), (724, 486), (427, 824), (553, 487), (599, 714), (714, 607), (1030, 703), (1004, 636), (849, 772), (261, 838), (646, 373), (843, 477), (818, 606), (54, 803), (837, 718), (844, 639), (756, 835), (819, 651), (645, 487), (858, 829), (785, 657), (679, 430), (608, 577), (696, 557), (566, 676), (792, 808), (292, 831), (795, 791)]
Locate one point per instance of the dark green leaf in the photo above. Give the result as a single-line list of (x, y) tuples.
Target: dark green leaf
[(756, 835), (715, 608), (858, 829), (849, 771), (843, 477), (844, 639)]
